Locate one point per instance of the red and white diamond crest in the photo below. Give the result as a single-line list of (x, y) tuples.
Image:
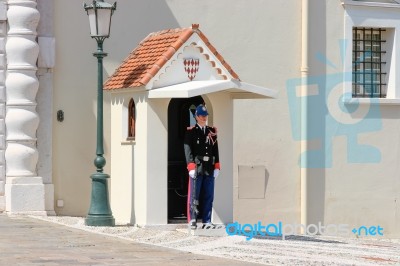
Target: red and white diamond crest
[(191, 67)]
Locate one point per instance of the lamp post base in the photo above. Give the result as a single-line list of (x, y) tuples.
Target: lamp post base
[(100, 212), (99, 220)]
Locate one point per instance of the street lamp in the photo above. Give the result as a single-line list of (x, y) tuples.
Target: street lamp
[(100, 214)]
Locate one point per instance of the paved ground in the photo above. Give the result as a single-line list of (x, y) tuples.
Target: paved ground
[(67, 241), (29, 241)]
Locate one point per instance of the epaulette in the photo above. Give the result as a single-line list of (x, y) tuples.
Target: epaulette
[(190, 128)]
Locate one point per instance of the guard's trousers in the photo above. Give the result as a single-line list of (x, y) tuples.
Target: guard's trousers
[(204, 194)]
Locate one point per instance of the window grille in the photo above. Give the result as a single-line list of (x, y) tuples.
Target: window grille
[(369, 76)]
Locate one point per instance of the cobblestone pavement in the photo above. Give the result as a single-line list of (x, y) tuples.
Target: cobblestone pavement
[(77, 244), (29, 241)]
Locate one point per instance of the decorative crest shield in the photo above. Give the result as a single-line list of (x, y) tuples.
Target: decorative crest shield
[(191, 67)]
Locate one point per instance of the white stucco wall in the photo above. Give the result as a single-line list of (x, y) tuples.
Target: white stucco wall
[(44, 98), (358, 193), (125, 202), (262, 130), (75, 89), (3, 67)]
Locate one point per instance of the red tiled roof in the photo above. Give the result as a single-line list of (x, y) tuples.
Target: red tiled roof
[(151, 54)]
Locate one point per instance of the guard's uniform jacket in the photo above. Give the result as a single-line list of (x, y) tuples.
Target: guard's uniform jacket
[(201, 150)]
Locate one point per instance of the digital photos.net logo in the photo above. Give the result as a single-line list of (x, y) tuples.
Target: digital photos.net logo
[(329, 116), (283, 230)]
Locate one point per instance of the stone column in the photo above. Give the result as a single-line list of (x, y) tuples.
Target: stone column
[(25, 191)]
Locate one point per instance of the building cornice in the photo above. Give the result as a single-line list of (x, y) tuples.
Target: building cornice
[(370, 4)]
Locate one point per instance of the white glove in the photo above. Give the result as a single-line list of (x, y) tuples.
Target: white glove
[(216, 173), (192, 174)]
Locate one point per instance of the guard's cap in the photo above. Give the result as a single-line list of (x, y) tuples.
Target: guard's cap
[(201, 110)]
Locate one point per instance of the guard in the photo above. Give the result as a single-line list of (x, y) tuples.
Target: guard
[(202, 158)]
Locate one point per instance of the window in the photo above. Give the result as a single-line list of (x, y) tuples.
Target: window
[(369, 51), (131, 119), (368, 63)]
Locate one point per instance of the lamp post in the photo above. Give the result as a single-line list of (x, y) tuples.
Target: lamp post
[(100, 214)]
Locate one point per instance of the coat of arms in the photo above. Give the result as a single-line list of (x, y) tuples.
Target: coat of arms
[(191, 67)]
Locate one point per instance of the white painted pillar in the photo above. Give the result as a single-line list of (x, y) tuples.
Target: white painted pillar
[(25, 191), (304, 144), (3, 67), (222, 111), (44, 98)]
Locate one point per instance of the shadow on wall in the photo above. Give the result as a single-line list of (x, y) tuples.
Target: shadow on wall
[(132, 22)]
